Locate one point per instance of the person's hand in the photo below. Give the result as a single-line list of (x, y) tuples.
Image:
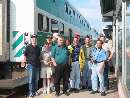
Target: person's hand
[(53, 61), (81, 73), (55, 64), (50, 63), (108, 59), (41, 61), (23, 63)]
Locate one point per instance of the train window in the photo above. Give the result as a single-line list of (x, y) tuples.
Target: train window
[(74, 12), (54, 25), (77, 16), (54, 1), (69, 12), (66, 8), (61, 28), (46, 24), (40, 22), (88, 25), (80, 21)]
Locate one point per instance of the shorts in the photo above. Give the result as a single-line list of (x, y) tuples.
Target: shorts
[(46, 72)]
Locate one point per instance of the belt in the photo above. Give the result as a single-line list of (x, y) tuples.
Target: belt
[(74, 61), (88, 59), (97, 62)]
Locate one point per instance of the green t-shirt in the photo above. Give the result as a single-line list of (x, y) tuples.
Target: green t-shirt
[(87, 51)]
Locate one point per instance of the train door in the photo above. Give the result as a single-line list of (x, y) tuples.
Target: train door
[(0, 27), (43, 29), (70, 36), (4, 30)]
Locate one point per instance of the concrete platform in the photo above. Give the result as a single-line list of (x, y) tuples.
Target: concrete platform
[(81, 94)]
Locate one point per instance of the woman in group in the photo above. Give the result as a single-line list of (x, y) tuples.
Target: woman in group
[(46, 67)]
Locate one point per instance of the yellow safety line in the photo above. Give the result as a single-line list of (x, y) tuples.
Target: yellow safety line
[(48, 96)]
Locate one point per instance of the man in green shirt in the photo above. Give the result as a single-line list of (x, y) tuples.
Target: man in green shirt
[(55, 38), (86, 74), (60, 58)]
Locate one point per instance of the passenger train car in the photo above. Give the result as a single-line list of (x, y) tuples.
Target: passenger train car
[(19, 19)]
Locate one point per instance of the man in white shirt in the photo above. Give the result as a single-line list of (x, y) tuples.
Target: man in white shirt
[(106, 47)]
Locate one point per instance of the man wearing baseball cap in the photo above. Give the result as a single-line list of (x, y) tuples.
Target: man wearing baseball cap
[(76, 35), (31, 57), (75, 49)]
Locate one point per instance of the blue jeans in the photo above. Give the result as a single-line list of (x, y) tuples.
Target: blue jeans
[(75, 75), (95, 75), (86, 78), (106, 79), (33, 77)]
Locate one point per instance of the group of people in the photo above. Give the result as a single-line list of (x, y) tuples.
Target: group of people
[(80, 66)]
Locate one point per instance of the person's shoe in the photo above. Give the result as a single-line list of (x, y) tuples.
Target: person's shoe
[(106, 88), (52, 89), (89, 89), (94, 92), (44, 91), (37, 93), (76, 91), (84, 87), (57, 94), (30, 96), (48, 90), (103, 94), (66, 93), (71, 90)]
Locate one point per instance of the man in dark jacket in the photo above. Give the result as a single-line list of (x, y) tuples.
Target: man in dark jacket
[(60, 58), (31, 57)]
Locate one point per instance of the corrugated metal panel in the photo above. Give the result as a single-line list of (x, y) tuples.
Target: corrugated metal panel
[(107, 5), (0, 28)]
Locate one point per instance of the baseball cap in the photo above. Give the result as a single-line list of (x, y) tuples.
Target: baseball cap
[(34, 36), (55, 35), (49, 36), (102, 35), (76, 35)]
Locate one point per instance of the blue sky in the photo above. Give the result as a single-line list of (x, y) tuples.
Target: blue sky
[(90, 9)]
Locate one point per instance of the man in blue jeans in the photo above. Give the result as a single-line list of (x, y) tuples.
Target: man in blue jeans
[(86, 75), (107, 48), (75, 72), (99, 56), (31, 57)]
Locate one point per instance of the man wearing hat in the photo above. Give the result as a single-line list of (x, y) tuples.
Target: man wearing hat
[(77, 35), (54, 39), (32, 59), (49, 40), (60, 58), (76, 66)]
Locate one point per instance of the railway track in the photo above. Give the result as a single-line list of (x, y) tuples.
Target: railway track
[(19, 92)]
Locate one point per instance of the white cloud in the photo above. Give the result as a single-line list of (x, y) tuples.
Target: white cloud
[(93, 4), (93, 16), (89, 13)]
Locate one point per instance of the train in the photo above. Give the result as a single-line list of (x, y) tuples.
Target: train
[(19, 19)]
